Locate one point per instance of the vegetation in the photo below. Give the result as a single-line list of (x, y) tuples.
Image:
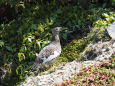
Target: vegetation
[(101, 75), (30, 30)]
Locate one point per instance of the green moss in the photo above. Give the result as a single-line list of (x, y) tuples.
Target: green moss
[(75, 48), (72, 50)]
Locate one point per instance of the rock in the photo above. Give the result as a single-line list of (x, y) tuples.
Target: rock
[(101, 52), (63, 72), (111, 31)]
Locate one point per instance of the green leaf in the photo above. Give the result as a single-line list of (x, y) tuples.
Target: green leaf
[(17, 71), (9, 48), (21, 56), (105, 14), (1, 43), (39, 44), (33, 26), (64, 36)]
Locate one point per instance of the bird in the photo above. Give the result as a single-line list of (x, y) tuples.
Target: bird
[(50, 52)]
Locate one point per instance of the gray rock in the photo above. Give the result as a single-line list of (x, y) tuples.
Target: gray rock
[(111, 31), (68, 70)]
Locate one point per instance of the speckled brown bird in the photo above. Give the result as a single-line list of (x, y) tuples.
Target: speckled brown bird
[(49, 52)]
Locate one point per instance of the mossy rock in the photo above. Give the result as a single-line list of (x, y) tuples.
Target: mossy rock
[(72, 50), (75, 48)]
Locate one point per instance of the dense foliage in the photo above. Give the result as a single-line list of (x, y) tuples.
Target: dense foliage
[(29, 31)]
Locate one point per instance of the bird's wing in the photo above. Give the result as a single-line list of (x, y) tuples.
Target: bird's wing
[(47, 54)]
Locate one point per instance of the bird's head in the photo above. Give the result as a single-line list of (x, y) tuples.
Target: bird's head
[(56, 30)]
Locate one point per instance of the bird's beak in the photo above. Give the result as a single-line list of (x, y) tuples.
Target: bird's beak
[(64, 29)]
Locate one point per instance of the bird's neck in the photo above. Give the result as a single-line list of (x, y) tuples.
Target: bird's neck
[(56, 38)]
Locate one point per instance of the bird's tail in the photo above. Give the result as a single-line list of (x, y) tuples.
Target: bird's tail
[(35, 66)]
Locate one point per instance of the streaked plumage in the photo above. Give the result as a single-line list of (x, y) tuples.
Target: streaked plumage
[(49, 52)]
